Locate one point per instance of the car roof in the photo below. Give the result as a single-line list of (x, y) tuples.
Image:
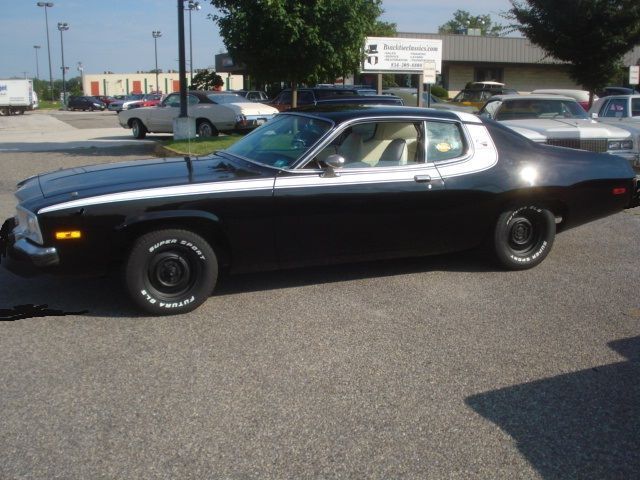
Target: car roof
[(343, 113), (549, 96), (635, 95)]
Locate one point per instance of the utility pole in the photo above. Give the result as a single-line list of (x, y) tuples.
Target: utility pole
[(46, 19), (36, 48), (62, 26), (156, 34), (191, 6)]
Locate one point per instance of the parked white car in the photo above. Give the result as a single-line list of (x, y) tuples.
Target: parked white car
[(560, 121), (580, 96), (214, 112)]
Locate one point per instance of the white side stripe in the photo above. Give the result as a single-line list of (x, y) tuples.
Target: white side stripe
[(164, 192), (484, 155)]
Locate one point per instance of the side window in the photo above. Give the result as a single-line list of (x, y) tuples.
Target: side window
[(444, 141), (283, 99), (616, 108), (635, 107), (305, 98), (378, 145), (172, 101), (491, 108), (191, 99)]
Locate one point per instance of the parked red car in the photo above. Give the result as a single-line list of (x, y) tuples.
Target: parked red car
[(105, 99)]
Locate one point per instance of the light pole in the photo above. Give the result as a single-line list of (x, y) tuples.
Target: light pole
[(191, 5), (36, 48), (156, 34), (81, 70), (46, 19), (62, 26)]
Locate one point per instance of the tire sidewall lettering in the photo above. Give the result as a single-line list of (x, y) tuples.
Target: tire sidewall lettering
[(168, 305), (174, 241)]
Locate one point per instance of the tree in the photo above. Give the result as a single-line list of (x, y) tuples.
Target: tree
[(463, 20), (206, 80), (591, 35), (309, 41)]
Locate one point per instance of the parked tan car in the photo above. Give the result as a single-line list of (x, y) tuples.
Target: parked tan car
[(214, 112)]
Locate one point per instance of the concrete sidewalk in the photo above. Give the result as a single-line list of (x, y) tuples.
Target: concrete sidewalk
[(38, 133)]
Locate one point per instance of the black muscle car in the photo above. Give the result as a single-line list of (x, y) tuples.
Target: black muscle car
[(329, 185)]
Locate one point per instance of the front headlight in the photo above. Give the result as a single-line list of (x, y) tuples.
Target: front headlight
[(620, 145), (27, 225)]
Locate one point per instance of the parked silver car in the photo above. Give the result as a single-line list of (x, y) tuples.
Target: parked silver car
[(560, 121), (622, 111), (617, 108)]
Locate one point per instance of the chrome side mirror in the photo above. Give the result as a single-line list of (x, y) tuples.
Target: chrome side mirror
[(332, 162)]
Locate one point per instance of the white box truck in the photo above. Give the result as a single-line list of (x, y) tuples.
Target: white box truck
[(16, 96)]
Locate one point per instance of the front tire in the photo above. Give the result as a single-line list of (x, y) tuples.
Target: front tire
[(138, 129), (206, 129), (523, 237), (170, 271)]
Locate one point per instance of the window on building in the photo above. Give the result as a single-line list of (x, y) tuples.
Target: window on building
[(488, 74)]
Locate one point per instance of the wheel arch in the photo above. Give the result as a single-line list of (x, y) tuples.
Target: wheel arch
[(130, 122), (542, 198), (205, 224)]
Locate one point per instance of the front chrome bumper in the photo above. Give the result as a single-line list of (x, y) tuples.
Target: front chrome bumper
[(21, 256)]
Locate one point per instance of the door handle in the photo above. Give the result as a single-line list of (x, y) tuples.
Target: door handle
[(422, 178)]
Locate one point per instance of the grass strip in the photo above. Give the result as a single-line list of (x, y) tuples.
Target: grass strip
[(201, 146)]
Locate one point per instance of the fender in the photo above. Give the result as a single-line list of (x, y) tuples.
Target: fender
[(168, 215)]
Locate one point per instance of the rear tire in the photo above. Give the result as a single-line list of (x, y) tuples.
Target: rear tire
[(138, 129), (170, 271), (523, 237)]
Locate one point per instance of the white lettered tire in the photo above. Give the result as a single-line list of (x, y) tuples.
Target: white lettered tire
[(170, 271), (523, 237)]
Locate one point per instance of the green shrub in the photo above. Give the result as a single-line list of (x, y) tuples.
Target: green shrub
[(438, 91)]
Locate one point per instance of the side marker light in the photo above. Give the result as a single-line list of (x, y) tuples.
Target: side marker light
[(68, 235)]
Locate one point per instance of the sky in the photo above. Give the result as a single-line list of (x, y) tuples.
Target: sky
[(115, 35)]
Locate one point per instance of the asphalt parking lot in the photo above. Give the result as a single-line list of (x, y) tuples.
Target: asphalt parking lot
[(439, 367)]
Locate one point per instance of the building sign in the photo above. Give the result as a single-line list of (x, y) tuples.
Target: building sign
[(391, 54), (429, 72), (634, 75)]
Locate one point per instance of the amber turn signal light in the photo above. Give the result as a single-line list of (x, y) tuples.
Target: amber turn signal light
[(68, 235)]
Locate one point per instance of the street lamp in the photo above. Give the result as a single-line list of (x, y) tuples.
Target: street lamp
[(36, 48), (191, 5), (46, 19), (156, 34), (81, 70), (62, 26)]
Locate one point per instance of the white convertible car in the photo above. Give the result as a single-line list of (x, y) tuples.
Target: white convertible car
[(560, 121), (214, 112)]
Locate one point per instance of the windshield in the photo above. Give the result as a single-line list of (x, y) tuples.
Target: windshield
[(523, 109), (281, 141), (223, 98)]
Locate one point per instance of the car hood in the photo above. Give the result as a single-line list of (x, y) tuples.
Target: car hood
[(83, 182), (568, 128)]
